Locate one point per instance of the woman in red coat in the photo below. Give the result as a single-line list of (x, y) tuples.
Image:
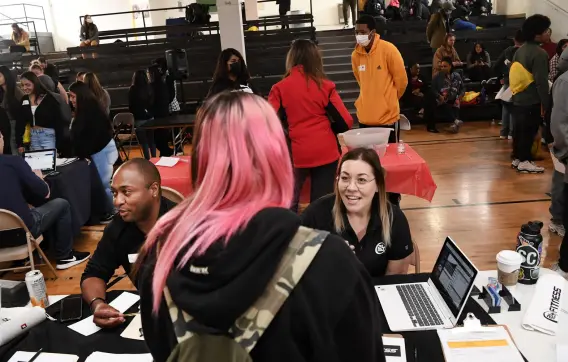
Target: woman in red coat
[(305, 99)]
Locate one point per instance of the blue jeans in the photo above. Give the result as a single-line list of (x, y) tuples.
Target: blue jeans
[(54, 217), (146, 139), (507, 120), (42, 139), (104, 161)]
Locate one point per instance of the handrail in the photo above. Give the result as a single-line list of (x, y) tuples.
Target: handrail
[(553, 3), (26, 17), (9, 18)]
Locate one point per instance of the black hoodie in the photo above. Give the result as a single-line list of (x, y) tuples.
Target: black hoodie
[(332, 315)]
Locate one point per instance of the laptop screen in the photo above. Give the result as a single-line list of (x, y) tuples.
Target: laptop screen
[(453, 276), (43, 160)]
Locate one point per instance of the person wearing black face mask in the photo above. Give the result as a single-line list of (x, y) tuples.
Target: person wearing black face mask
[(231, 74)]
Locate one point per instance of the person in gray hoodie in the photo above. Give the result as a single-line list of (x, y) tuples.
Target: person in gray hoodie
[(559, 129)]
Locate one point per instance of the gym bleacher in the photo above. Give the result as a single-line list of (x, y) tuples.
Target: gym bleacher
[(122, 51)]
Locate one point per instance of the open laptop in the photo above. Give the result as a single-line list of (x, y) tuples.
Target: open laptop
[(44, 160), (436, 304)]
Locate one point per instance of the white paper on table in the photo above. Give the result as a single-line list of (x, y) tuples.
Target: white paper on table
[(124, 301), (505, 94), (110, 357), (167, 161), (485, 344), (133, 329), (562, 353), (43, 357), (558, 166), (395, 350)]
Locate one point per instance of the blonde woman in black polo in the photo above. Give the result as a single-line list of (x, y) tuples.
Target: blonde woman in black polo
[(359, 211)]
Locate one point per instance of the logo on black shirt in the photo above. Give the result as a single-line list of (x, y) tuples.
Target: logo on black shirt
[(380, 248)]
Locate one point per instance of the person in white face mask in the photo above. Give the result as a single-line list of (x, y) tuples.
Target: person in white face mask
[(89, 34), (379, 70)]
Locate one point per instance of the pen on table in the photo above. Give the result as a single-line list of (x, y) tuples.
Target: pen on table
[(130, 314), (36, 355)]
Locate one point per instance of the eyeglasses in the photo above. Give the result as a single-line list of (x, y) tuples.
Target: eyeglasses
[(359, 181)]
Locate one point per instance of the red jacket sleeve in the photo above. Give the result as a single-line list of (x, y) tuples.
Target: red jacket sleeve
[(337, 103), (274, 98)]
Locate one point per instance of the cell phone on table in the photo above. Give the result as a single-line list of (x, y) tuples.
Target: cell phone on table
[(71, 309)]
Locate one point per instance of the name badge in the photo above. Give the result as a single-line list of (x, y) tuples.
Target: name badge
[(26, 103), (132, 258), (362, 68)]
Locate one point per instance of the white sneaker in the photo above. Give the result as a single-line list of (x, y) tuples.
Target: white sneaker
[(515, 163), (557, 229), (529, 167), (562, 273), (510, 137), (347, 26), (503, 137)]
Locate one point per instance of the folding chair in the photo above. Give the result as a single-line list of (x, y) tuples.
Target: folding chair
[(172, 195), (11, 221), (120, 122)]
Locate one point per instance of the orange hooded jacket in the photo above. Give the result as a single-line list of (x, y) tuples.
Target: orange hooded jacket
[(382, 79)]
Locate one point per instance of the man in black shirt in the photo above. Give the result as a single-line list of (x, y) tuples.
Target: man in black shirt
[(137, 197)]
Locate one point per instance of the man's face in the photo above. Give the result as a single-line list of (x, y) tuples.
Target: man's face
[(133, 198), (445, 67), (362, 29)]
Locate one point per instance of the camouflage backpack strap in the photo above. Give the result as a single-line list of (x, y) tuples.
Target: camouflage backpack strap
[(180, 319), (301, 251)]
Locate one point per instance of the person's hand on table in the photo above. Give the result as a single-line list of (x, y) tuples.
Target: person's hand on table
[(38, 174), (106, 316)]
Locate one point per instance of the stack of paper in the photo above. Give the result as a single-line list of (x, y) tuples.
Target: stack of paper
[(109, 357), (167, 161), (43, 357), (483, 344)]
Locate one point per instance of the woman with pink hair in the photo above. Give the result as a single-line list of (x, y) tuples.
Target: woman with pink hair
[(214, 255)]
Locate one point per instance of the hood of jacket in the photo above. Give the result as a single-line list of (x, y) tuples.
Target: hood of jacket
[(220, 285)]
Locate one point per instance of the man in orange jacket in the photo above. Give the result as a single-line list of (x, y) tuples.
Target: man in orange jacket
[(379, 70)]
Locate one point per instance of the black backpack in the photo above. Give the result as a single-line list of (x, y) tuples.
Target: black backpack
[(374, 8)]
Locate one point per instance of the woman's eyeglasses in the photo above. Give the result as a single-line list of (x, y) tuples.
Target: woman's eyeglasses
[(359, 181)]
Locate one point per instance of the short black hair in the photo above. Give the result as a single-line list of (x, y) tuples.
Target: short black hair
[(560, 45), (146, 168), (519, 36), (369, 21), (534, 26), (449, 61)]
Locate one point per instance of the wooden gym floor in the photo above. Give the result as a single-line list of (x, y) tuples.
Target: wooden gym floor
[(480, 202)]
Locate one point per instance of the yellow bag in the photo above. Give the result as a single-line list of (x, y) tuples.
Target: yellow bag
[(28, 134), (470, 96)]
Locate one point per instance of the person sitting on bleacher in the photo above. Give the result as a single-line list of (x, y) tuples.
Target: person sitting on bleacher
[(393, 10), (460, 17), (92, 81), (439, 26), (447, 50), (20, 186), (89, 34), (49, 82), (414, 94), (562, 44), (139, 104), (231, 74), (21, 38), (444, 102), (478, 63), (49, 69)]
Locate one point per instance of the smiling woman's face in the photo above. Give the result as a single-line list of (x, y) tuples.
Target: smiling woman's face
[(356, 185)]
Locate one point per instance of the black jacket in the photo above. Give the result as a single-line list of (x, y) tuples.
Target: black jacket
[(90, 133), (332, 315), (161, 99), (222, 85), (138, 106), (48, 115)]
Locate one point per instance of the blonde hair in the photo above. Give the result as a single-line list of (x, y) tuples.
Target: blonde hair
[(370, 157)]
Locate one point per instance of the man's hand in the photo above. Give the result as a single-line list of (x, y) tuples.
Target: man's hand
[(457, 64), (21, 149), (106, 316), (38, 174)]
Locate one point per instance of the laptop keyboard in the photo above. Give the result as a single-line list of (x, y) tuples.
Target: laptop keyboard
[(418, 305)]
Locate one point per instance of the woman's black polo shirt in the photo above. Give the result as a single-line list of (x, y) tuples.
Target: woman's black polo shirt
[(371, 250)]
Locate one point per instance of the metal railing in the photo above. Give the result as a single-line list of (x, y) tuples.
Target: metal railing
[(24, 18), (34, 41)]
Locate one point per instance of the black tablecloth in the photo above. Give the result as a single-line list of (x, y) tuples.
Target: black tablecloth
[(80, 184), (56, 337), (426, 343)]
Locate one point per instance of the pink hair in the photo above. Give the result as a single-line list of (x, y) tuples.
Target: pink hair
[(241, 165)]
